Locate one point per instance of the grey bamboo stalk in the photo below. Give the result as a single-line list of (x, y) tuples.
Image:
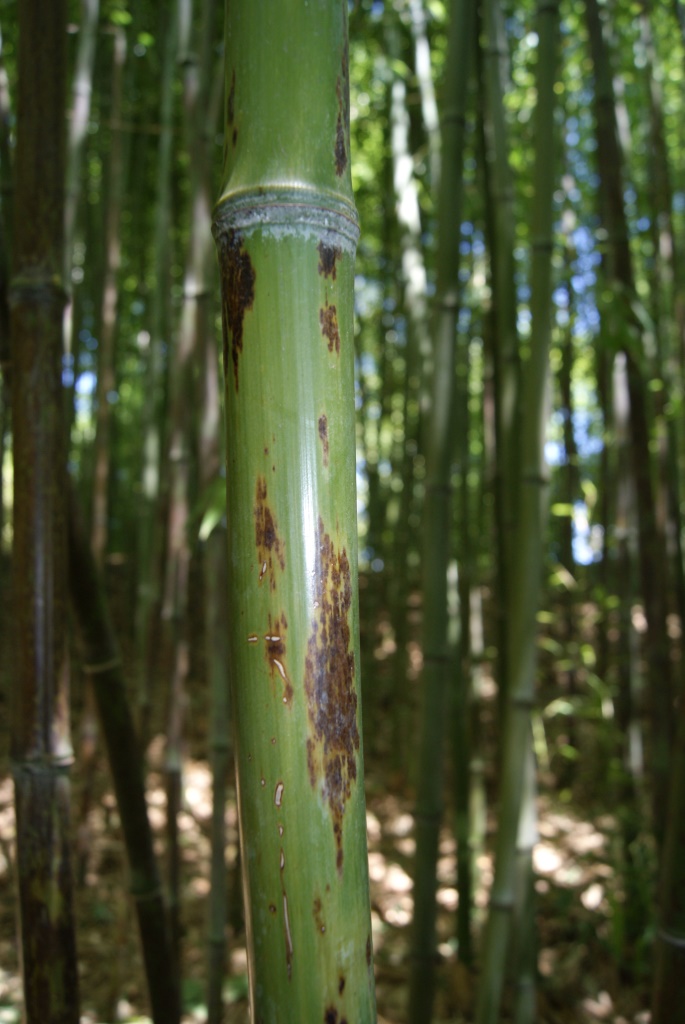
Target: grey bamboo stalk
[(149, 522), (424, 78), (78, 125), (438, 662), (216, 582), (82, 89), (286, 231), (409, 221), (526, 575), (653, 564), (110, 299), (189, 347), (41, 746), (5, 252)]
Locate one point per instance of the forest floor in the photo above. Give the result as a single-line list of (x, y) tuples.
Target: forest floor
[(580, 904)]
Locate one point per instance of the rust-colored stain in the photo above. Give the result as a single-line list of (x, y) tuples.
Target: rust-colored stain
[(329, 685), (328, 254), (274, 650), (238, 280), (323, 437), (340, 152), (269, 544), (328, 318)]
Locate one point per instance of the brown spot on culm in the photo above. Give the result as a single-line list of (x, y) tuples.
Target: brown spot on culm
[(318, 916), (328, 254), (323, 436), (341, 984), (234, 136), (342, 128), (368, 951), (237, 294), (230, 104), (274, 644), (331, 1015), (328, 318), (269, 544), (340, 151), (329, 686)]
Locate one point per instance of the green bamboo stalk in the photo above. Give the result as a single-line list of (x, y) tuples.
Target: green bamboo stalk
[(526, 566), (41, 746), (501, 223), (669, 950), (103, 663), (286, 231), (438, 660)]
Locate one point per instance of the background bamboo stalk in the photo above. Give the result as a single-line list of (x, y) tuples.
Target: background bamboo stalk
[(516, 829), (103, 662), (41, 745), (439, 445)]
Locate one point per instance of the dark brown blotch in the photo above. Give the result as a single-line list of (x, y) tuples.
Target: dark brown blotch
[(323, 437), (328, 318), (368, 951), (328, 254), (270, 547), (331, 1015), (329, 686), (341, 984), (237, 292)]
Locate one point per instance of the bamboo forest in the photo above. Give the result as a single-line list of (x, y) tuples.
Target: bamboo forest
[(342, 515)]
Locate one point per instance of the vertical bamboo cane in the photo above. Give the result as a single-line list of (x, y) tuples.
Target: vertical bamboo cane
[(41, 745), (438, 659), (286, 230), (517, 789)]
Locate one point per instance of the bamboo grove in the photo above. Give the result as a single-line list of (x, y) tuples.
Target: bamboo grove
[(342, 583)]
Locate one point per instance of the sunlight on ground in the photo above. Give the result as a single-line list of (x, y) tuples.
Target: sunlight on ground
[(570, 862)]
